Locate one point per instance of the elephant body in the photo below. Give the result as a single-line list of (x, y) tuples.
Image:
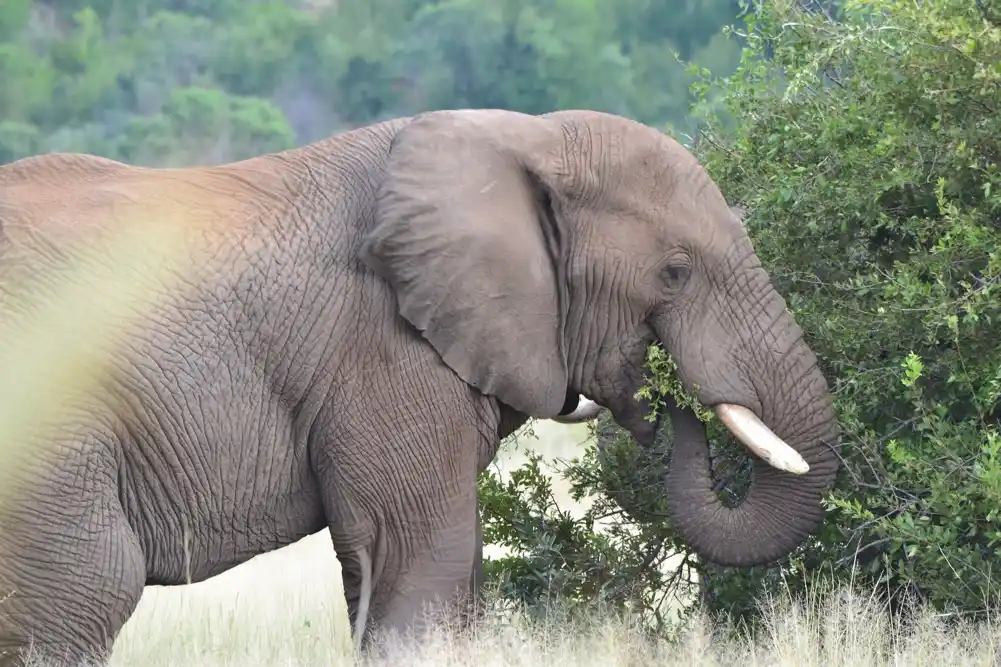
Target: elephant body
[(348, 331)]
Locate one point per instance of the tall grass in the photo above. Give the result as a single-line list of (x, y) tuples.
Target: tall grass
[(308, 627)]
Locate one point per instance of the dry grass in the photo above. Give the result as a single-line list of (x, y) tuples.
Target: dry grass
[(304, 625), (285, 608)]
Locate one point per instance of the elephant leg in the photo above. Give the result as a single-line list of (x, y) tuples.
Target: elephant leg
[(434, 586), (71, 568), (414, 581), (409, 503)]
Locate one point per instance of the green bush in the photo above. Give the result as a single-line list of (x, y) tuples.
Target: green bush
[(866, 145)]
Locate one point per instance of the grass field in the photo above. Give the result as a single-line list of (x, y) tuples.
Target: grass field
[(285, 609), (296, 627)]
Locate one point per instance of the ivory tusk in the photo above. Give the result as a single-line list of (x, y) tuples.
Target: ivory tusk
[(760, 439), (586, 411)]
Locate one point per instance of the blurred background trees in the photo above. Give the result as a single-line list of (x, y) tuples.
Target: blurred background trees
[(164, 82)]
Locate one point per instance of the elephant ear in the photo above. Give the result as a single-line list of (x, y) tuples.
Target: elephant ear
[(466, 235)]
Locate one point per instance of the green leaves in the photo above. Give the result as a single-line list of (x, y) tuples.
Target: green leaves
[(873, 181), (663, 381), (912, 369)]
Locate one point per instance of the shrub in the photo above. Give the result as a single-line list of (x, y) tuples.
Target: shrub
[(865, 145)]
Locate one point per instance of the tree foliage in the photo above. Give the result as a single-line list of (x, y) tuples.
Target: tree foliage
[(878, 149)]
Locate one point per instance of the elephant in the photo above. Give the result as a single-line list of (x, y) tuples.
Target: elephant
[(349, 329)]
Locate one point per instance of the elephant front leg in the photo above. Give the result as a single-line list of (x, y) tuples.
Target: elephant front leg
[(434, 587), (407, 579), (403, 518)]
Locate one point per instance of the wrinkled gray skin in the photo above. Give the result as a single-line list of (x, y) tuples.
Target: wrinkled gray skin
[(373, 313)]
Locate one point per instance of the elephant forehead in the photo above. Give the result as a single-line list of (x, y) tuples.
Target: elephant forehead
[(650, 176)]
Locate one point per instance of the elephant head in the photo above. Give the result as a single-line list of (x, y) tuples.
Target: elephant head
[(542, 255)]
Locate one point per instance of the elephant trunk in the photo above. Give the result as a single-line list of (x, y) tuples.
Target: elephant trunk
[(781, 508)]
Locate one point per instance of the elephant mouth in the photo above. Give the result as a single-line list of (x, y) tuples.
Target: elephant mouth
[(742, 422), (751, 432)]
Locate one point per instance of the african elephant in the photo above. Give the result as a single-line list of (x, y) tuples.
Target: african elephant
[(350, 330)]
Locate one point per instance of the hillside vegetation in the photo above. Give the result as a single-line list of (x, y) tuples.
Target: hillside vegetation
[(168, 82)]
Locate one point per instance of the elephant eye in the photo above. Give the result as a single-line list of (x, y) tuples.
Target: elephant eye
[(675, 275)]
